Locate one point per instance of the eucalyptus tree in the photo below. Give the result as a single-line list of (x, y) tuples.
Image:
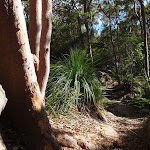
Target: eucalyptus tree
[(88, 16), (73, 25), (123, 22), (109, 10), (24, 69), (145, 48)]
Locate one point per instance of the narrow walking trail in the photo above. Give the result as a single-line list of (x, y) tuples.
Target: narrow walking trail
[(121, 130), (82, 132)]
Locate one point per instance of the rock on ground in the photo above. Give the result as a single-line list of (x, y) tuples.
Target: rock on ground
[(66, 140), (2, 145), (108, 132), (3, 99)]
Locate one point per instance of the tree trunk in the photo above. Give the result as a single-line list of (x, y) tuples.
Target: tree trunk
[(145, 38), (113, 46), (139, 19), (87, 9), (115, 56), (80, 33), (35, 25), (44, 57), (117, 27), (17, 75)]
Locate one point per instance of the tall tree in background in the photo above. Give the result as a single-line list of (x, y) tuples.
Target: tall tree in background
[(108, 14), (23, 82), (145, 37), (73, 25), (67, 27), (88, 16)]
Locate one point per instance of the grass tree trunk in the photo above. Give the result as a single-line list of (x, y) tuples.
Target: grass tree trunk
[(25, 106)]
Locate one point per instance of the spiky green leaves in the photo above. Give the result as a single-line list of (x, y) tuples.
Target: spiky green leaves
[(72, 83)]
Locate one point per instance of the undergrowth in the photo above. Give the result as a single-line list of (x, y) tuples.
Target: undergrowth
[(140, 96)]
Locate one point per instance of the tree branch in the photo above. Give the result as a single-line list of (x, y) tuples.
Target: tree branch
[(44, 56), (35, 11)]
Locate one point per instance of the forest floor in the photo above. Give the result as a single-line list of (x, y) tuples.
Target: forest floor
[(121, 130)]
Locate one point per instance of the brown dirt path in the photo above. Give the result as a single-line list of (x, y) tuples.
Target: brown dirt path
[(118, 133), (123, 129)]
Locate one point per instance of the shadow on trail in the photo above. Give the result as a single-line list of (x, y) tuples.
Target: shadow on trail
[(137, 139), (118, 105), (116, 92), (125, 110)]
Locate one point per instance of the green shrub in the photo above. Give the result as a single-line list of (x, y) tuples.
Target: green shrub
[(72, 83), (140, 92)]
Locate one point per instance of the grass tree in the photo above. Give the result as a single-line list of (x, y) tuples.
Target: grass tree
[(20, 76), (73, 83)]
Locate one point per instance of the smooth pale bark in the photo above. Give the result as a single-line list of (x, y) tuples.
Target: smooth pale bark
[(145, 38), (40, 29), (17, 75), (35, 25), (44, 57)]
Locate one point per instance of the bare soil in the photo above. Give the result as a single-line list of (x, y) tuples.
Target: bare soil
[(122, 130)]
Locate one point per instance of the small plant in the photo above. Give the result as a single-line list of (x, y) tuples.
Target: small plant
[(139, 102), (72, 83), (140, 92)]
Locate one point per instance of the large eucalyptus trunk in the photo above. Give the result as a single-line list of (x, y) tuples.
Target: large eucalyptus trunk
[(25, 107)]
